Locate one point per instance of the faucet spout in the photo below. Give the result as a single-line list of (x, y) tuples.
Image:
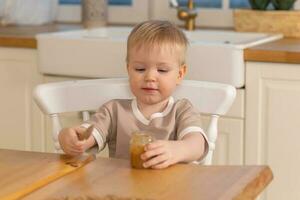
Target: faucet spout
[(190, 4), (187, 14)]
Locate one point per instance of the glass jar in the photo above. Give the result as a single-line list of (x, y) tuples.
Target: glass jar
[(137, 145)]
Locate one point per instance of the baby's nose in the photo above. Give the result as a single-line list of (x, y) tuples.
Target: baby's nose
[(150, 75)]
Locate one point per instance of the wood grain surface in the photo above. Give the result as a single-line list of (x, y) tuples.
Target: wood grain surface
[(286, 50), (286, 22), (24, 36), (114, 179), (23, 172)]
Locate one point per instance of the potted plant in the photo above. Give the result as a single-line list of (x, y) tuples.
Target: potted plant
[(283, 4), (259, 4)]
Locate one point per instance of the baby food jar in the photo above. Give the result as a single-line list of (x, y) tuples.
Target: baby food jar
[(137, 145)]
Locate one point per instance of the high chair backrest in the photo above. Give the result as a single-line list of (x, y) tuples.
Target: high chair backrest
[(210, 98)]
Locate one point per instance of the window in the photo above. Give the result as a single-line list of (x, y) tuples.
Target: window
[(69, 1), (120, 2), (110, 2), (217, 3), (203, 3), (239, 4)]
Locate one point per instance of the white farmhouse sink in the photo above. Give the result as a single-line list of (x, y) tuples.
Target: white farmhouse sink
[(212, 55)]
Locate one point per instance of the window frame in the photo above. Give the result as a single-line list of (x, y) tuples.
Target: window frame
[(297, 5)]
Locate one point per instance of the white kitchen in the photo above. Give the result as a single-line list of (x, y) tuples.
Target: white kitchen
[(253, 46)]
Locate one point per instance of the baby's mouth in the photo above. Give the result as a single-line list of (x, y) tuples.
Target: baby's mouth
[(149, 89)]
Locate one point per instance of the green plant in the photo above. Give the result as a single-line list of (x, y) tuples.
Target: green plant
[(283, 4), (259, 4)]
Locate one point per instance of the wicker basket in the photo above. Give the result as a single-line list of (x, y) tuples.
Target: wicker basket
[(285, 22)]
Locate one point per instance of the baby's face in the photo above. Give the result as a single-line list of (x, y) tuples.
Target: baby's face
[(154, 73)]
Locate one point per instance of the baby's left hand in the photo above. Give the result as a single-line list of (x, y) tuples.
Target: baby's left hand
[(161, 154)]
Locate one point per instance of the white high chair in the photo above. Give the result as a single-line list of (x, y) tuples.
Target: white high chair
[(88, 95)]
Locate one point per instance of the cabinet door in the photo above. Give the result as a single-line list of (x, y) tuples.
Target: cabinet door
[(272, 125), (18, 76), (229, 145)]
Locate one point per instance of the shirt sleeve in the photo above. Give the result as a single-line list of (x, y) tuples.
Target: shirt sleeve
[(102, 121), (189, 121)]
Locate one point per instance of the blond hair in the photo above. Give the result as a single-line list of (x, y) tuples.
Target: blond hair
[(157, 32)]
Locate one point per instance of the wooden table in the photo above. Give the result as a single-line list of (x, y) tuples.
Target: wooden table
[(114, 179)]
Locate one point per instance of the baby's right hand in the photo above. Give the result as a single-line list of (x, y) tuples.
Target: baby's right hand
[(69, 141)]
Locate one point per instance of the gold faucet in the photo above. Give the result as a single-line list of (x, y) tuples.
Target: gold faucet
[(188, 14)]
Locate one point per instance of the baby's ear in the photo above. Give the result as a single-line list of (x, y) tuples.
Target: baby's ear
[(181, 73)]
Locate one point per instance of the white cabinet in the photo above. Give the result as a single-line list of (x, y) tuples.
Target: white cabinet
[(18, 75), (230, 143), (272, 131)]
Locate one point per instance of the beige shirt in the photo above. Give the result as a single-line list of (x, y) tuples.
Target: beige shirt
[(116, 120)]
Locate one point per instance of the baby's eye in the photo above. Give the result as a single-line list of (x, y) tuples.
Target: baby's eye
[(140, 69), (162, 70)]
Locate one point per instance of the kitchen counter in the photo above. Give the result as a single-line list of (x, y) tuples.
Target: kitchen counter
[(24, 36), (286, 50)]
